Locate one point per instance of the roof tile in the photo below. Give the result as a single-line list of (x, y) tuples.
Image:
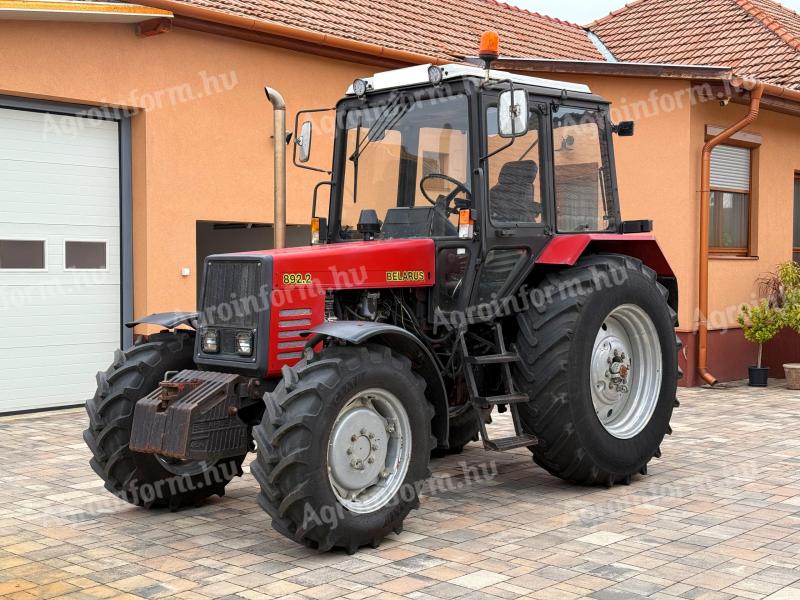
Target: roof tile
[(447, 29), (757, 38)]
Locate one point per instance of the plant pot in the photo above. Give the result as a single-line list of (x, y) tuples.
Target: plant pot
[(759, 376), (792, 375)]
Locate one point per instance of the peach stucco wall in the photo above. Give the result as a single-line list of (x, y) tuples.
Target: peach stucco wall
[(209, 158)]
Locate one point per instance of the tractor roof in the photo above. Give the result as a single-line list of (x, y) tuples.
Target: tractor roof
[(418, 75)]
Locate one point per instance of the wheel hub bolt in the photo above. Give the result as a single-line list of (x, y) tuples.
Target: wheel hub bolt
[(370, 460), (363, 431), (349, 451), (371, 436), (353, 438)]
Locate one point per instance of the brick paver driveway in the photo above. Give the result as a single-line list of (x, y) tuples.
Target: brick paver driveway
[(717, 517)]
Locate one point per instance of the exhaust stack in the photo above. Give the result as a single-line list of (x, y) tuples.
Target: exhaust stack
[(279, 176)]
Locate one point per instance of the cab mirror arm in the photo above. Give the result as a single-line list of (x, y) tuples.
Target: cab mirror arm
[(302, 137)]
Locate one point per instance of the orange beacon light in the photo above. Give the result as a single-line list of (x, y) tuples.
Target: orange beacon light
[(490, 47)]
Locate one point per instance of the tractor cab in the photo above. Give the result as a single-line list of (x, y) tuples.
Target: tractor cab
[(488, 164)]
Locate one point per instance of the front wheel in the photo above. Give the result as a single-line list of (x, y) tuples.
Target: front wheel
[(148, 480), (344, 447), (599, 362)]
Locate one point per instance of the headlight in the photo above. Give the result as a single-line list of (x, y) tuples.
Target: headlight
[(210, 341), (244, 343), (359, 87)]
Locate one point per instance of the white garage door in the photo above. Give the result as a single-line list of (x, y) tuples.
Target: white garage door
[(59, 257)]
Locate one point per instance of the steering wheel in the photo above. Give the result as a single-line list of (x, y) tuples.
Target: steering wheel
[(446, 200)]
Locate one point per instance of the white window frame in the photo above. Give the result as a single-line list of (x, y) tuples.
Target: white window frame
[(89, 240), (27, 238)]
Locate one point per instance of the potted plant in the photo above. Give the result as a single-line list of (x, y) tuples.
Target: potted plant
[(760, 323)]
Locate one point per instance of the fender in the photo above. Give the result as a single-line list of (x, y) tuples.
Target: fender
[(567, 249), (407, 344), (170, 320)]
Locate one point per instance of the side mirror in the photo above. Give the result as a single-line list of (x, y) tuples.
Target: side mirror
[(512, 113), (303, 142), (624, 128)]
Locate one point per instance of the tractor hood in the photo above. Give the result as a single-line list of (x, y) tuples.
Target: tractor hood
[(353, 265), (279, 295)]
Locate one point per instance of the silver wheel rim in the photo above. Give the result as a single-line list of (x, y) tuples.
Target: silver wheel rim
[(626, 371), (369, 450), (182, 468)]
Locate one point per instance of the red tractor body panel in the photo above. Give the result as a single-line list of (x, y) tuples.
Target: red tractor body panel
[(302, 276), (567, 249)]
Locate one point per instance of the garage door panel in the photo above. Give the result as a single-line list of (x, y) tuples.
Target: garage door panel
[(60, 378), (64, 140), (16, 203), (61, 283), (59, 182), (52, 392), (76, 363), (22, 329), (83, 217), (43, 336), (49, 353), (16, 301)]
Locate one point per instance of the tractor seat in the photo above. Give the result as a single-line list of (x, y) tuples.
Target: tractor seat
[(512, 198)]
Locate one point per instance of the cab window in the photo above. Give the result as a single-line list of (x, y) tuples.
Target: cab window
[(582, 170), (515, 195)]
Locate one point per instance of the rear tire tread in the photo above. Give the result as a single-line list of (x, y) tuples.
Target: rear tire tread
[(545, 340)]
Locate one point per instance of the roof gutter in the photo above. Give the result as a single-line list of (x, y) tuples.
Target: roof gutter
[(294, 33), (601, 67), (757, 91)]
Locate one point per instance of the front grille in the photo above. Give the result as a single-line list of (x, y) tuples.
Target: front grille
[(236, 297), (231, 297), (292, 322)]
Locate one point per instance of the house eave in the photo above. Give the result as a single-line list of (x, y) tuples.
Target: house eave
[(102, 12)]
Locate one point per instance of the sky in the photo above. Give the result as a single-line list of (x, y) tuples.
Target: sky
[(584, 12)]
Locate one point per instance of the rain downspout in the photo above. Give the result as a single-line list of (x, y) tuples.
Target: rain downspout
[(279, 176), (757, 91)]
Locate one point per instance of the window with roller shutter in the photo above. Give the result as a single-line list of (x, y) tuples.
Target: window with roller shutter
[(730, 202)]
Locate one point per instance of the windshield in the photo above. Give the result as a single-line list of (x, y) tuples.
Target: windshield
[(408, 160)]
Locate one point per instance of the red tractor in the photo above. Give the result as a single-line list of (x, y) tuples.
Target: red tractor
[(472, 258)]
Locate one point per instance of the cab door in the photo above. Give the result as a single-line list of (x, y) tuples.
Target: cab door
[(517, 207)]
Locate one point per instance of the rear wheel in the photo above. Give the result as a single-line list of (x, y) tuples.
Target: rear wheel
[(343, 447), (599, 361), (147, 480)]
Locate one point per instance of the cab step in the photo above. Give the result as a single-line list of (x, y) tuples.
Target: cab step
[(512, 396), (494, 359), (503, 399), (510, 443)]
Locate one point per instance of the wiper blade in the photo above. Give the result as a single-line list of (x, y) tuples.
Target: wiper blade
[(384, 121)]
